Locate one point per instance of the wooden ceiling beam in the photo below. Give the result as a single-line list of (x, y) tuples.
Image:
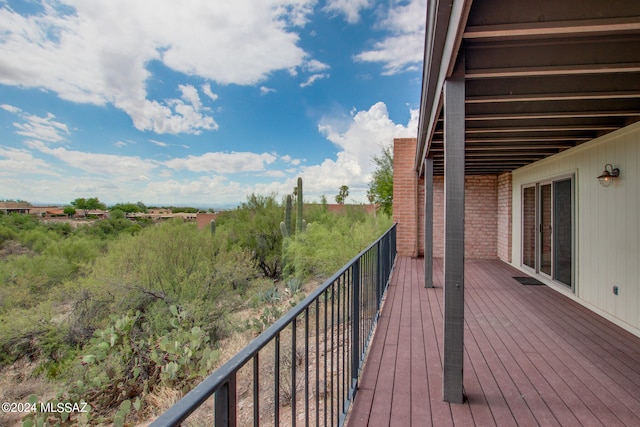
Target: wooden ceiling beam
[(535, 129), (554, 115), (544, 97), (550, 70), (583, 28), (520, 143), (527, 140)]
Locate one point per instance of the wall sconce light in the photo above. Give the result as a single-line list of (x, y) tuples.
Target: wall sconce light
[(606, 178)]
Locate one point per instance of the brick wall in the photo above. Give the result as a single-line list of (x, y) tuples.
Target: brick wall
[(487, 210), (204, 219), (504, 216), (480, 219), (404, 196)]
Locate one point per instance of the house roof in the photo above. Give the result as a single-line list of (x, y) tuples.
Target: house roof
[(14, 205), (540, 77)]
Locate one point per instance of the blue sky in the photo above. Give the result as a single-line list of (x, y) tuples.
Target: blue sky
[(202, 102)]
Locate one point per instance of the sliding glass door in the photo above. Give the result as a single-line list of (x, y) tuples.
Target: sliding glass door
[(548, 229)]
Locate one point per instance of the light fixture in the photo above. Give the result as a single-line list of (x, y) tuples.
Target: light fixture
[(606, 178)]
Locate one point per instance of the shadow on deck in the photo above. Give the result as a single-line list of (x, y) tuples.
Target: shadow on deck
[(532, 357)]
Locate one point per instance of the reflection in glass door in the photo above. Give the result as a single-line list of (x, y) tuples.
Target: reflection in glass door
[(563, 232), (545, 229), (529, 226), (548, 229)]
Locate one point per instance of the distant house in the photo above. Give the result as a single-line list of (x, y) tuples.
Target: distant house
[(14, 207), (54, 212), (47, 211), (92, 214)]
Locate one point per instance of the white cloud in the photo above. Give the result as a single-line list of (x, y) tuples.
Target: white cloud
[(15, 162), (42, 128), (158, 143), (314, 66), (350, 8), (10, 108), (275, 173), (221, 163), (312, 79), (98, 52), (288, 159), (368, 131), (175, 116), (265, 90), (207, 189), (206, 88), (190, 95), (108, 165), (404, 49)]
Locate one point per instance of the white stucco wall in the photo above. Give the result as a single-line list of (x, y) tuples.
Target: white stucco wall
[(607, 222)]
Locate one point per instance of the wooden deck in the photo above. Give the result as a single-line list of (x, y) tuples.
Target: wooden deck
[(532, 357)]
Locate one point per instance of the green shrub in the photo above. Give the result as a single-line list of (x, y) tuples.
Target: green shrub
[(77, 251), (6, 233), (327, 246)]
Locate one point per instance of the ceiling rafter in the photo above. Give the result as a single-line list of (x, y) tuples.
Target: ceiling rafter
[(549, 70), (534, 129), (546, 97), (588, 27)]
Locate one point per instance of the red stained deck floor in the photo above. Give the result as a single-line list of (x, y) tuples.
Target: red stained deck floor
[(532, 357)]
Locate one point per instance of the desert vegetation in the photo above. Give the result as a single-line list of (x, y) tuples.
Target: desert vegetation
[(120, 314)]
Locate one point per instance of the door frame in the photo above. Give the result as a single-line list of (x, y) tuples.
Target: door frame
[(537, 269)]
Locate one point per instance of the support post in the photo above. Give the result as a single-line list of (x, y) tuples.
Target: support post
[(355, 325), (225, 404), (454, 118), (428, 223)]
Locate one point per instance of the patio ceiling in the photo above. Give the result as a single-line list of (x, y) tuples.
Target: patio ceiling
[(540, 77)]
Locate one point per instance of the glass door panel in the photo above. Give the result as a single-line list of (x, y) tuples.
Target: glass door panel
[(545, 229), (563, 232), (529, 227)]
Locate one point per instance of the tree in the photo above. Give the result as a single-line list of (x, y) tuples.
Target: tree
[(129, 207), (87, 205), (381, 184), (255, 227), (69, 211), (343, 193)]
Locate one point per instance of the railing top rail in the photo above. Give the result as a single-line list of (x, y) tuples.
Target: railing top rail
[(189, 403)]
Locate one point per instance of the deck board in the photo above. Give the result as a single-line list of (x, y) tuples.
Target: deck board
[(532, 356)]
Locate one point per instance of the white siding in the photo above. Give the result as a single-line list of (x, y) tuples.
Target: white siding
[(607, 221)]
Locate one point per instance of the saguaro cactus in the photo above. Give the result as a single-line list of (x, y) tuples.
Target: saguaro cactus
[(212, 224), (301, 225), (299, 205), (285, 226)]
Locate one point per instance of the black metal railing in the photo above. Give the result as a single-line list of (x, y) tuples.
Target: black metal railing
[(304, 368)]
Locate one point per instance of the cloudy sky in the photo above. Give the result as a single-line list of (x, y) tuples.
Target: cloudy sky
[(202, 102)]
